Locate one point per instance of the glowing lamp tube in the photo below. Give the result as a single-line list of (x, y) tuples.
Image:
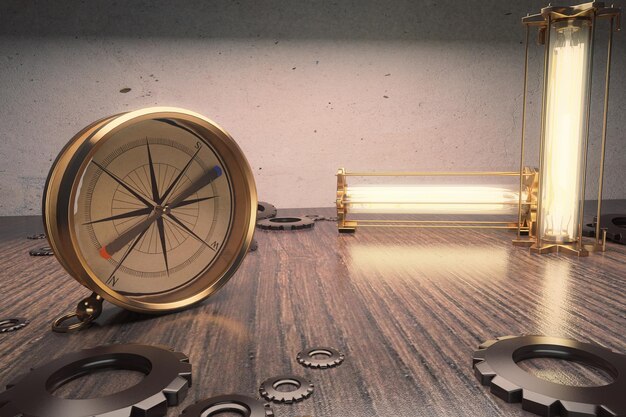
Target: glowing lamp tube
[(565, 130), (431, 199)]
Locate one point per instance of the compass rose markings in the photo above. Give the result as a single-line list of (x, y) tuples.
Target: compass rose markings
[(156, 210), (123, 184)]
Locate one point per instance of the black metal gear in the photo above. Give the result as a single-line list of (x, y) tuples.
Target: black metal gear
[(45, 251), (319, 217), (12, 324), (265, 210), (315, 217), (247, 406), (331, 357), (286, 223), (36, 236), (168, 376), (269, 391), (495, 365)]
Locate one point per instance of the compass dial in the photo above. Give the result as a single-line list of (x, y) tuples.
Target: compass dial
[(158, 208)]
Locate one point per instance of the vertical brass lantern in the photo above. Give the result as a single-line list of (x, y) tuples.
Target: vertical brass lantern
[(568, 36)]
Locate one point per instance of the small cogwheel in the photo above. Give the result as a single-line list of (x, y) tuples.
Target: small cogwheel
[(45, 251), (269, 389), (319, 217), (12, 324), (247, 406), (331, 357), (36, 236)]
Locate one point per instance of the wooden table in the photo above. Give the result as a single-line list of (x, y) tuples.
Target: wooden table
[(407, 307)]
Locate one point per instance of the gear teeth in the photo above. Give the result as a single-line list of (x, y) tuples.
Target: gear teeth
[(13, 324), (498, 370), (165, 347), (540, 404), (607, 411), (479, 356), (286, 223), (152, 406), (168, 387), (487, 344), (176, 391), (265, 210), (578, 409), (484, 372), (336, 358), (224, 403), (181, 356), (270, 393), (185, 371), (16, 381), (266, 395), (506, 390), (507, 337)]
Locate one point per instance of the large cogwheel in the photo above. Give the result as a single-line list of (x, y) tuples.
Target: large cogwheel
[(495, 365), (168, 376), (286, 223), (265, 210)]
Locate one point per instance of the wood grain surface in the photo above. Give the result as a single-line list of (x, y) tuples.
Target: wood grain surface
[(407, 307)]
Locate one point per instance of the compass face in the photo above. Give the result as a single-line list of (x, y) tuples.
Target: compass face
[(143, 180), (157, 212)]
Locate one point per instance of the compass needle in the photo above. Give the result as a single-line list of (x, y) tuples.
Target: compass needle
[(197, 185), (188, 202), (180, 174), (122, 240), (126, 215), (163, 245), (153, 180)]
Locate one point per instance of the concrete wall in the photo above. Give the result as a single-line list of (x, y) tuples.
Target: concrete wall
[(305, 87)]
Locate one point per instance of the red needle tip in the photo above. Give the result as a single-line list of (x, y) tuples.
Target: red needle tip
[(104, 253)]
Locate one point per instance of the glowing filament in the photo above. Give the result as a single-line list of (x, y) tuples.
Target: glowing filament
[(441, 199)]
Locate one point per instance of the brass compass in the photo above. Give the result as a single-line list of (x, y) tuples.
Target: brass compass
[(152, 210)]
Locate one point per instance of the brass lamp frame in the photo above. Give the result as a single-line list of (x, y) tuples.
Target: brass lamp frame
[(526, 212), (589, 11)]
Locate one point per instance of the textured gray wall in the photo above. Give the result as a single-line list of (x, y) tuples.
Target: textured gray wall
[(305, 87)]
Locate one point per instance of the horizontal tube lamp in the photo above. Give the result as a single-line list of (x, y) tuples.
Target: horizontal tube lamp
[(440, 198)]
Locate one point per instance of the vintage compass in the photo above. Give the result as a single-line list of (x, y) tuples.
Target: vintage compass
[(152, 210)]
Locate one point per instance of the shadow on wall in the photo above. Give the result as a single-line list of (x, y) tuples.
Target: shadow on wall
[(486, 20)]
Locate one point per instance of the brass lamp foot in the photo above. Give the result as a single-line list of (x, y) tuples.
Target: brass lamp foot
[(567, 249)]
